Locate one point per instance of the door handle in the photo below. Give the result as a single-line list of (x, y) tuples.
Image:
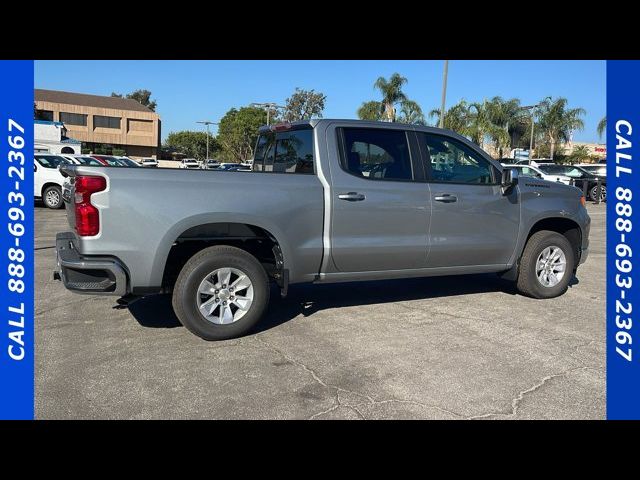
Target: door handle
[(351, 197), (445, 198)]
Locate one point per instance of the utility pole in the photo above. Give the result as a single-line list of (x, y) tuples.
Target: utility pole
[(268, 106), (532, 109), (207, 123), (444, 92)]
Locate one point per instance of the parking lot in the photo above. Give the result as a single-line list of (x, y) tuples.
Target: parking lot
[(433, 348)]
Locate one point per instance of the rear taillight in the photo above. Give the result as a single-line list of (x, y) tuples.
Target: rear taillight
[(87, 216)]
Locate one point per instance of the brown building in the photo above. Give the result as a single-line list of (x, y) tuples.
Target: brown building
[(100, 122)]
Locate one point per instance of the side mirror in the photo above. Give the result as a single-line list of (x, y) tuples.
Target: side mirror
[(509, 179)]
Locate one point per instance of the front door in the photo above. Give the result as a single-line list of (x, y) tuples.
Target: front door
[(472, 222), (380, 204)]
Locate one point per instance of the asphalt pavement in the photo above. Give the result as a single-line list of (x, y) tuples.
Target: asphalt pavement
[(466, 347)]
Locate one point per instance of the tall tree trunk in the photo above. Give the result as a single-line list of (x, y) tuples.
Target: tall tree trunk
[(553, 148), (389, 112)]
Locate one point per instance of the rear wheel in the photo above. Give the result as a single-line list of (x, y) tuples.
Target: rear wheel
[(546, 265), (221, 293), (593, 193), (52, 197)]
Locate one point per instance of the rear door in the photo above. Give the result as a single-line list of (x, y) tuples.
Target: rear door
[(380, 205), (472, 222)]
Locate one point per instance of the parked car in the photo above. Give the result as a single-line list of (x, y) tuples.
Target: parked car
[(230, 166), (531, 171), (149, 162), (597, 169), (211, 164), (579, 177), (47, 179), (435, 204), (190, 163)]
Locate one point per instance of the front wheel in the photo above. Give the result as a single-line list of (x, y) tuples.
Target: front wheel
[(221, 293), (52, 197), (546, 265)]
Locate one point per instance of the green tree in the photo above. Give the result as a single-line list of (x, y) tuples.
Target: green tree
[(392, 95), (370, 111), (602, 126), (238, 132), (580, 153), (556, 121), (192, 143), (456, 118), (504, 118), (142, 96), (410, 112), (304, 105)]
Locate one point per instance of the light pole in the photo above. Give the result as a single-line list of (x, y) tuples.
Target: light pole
[(268, 106), (444, 92), (207, 123), (532, 109)]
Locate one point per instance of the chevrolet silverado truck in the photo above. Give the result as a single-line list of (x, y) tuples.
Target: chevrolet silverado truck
[(326, 201)]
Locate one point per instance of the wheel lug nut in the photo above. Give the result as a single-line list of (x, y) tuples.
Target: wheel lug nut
[(224, 303), (217, 291)]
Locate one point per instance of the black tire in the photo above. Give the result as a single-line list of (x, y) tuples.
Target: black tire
[(528, 283), (594, 190), (196, 270), (49, 195)]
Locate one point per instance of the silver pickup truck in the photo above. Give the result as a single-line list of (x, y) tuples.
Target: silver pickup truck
[(327, 201)]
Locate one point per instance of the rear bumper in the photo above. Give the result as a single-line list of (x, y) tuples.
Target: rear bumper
[(88, 275)]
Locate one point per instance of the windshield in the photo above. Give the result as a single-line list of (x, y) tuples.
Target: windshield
[(50, 161), (129, 163), (568, 170), (89, 161)]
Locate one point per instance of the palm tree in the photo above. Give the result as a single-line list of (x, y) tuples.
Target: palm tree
[(602, 126), (557, 122), (370, 111), (504, 118), (410, 112), (391, 94), (456, 118), (580, 153)]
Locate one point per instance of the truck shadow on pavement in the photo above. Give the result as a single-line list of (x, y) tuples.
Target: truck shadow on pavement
[(155, 311)]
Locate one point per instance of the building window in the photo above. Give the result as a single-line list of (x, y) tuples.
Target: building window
[(44, 115), (73, 119), (106, 122)]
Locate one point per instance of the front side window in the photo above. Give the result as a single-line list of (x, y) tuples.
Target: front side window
[(454, 162), (284, 152), (73, 119), (106, 122), (376, 154)]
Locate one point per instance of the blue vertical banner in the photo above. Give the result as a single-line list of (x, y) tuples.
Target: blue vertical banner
[(623, 250), (16, 240)]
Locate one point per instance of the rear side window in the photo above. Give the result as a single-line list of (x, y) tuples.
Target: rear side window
[(451, 161), (285, 152), (376, 154)]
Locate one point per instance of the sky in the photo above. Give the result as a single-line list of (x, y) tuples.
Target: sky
[(188, 91)]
